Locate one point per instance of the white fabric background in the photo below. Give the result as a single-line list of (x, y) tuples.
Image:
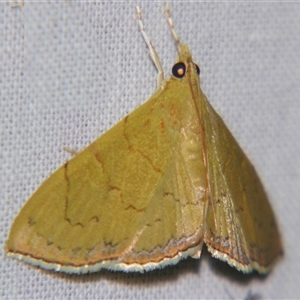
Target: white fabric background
[(69, 71)]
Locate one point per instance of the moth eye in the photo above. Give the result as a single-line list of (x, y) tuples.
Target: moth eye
[(178, 70), (197, 69)]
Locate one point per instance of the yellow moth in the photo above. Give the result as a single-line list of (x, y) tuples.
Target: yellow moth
[(151, 190)]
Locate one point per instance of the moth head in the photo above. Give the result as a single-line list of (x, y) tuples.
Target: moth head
[(184, 63)]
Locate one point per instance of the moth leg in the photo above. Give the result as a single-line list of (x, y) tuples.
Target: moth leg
[(152, 51), (16, 4), (70, 150)]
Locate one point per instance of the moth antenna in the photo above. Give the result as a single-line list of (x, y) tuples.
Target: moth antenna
[(171, 25), (152, 51)]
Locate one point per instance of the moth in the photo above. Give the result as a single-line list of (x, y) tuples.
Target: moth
[(152, 190)]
